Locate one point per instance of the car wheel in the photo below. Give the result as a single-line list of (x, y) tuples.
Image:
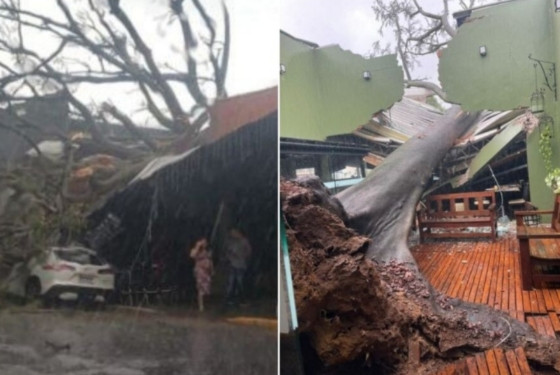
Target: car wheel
[(48, 302), (32, 289), (85, 300)]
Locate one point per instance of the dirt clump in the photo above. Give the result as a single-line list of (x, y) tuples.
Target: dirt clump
[(360, 316)]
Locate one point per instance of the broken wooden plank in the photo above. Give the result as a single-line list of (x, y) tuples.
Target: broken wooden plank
[(555, 321), (547, 295)]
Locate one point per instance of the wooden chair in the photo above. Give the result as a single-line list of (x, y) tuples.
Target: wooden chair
[(539, 247), (452, 213)]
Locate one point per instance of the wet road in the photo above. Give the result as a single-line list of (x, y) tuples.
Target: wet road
[(111, 342)]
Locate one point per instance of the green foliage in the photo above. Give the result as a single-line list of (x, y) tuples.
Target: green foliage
[(552, 180), (545, 145)]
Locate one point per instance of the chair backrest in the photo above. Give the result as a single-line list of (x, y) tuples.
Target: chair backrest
[(555, 222), (460, 204)]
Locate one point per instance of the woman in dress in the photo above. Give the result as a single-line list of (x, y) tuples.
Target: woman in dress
[(203, 270)]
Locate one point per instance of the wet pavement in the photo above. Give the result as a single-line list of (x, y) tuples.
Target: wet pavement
[(130, 342)]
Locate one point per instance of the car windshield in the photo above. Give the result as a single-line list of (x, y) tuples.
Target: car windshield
[(80, 256)]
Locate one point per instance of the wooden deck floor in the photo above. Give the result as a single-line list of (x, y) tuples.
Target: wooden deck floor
[(488, 272), (491, 362)]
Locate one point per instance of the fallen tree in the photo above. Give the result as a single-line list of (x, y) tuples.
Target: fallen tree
[(361, 299), (382, 207)]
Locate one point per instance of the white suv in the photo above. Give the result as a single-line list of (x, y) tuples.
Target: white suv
[(62, 272)]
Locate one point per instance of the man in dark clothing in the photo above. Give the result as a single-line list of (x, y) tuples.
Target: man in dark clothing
[(238, 253)]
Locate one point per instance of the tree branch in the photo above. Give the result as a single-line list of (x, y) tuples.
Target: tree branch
[(222, 74), (400, 50), (189, 43), (129, 125), (427, 33), (162, 86), (71, 77), (421, 11), (445, 18), (428, 85), (155, 111)]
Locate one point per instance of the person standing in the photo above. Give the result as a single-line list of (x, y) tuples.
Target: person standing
[(203, 270), (238, 253)]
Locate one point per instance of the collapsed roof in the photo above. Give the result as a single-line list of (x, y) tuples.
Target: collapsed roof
[(497, 139), (179, 198)]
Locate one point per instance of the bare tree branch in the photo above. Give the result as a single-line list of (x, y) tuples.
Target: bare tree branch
[(189, 43), (421, 11), (400, 50), (445, 19), (129, 125), (156, 112), (222, 73), (93, 77), (427, 33), (428, 85), (162, 86)]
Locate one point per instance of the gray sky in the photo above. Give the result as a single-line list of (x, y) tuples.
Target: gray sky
[(255, 54), (350, 23)]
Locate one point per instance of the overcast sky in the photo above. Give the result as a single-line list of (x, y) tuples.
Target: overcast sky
[(255, 52)]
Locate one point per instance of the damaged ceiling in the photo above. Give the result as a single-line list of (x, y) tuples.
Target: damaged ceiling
[(498, 139)]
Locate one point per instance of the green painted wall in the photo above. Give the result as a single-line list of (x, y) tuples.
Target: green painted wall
[(323, 93), (505, 77)]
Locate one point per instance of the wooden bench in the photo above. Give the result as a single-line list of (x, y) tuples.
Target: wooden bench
[(539, 247), (455, 212)]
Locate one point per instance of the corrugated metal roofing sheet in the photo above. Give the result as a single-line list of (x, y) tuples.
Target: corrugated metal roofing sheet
[(397, 124), (409, 117), (473, 150)]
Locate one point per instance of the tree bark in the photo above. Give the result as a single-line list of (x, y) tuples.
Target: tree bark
[(382, 206)]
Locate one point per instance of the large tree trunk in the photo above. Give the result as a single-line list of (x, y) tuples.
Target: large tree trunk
[(382, 206)]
